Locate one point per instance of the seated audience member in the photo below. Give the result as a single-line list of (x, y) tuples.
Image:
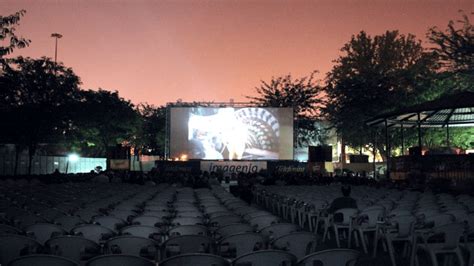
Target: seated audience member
[(343, 202)]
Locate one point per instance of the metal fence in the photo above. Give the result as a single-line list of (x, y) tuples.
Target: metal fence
[(41, 165)]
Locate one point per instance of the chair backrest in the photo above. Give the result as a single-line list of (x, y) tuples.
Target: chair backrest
[(276, 230), (148, 220), (265, 257), (451, 234), (187, 230), (111, 222), (42, 260), (108, 260), (233, 229), (7, 229), (370, 217), (261, 222), (224, 220), (195, 260), (219, 213), (12, 246), (237, 245), (133, 245), (187, 244), (298, 243), (94, 232), (186, 221), (405, 225), (142, 231), (332, 257), (44, 231), (347, 214), (69, 222), (440, 219), (75, 248)]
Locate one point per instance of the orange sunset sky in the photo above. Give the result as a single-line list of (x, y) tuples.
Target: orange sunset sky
[(203, 50)]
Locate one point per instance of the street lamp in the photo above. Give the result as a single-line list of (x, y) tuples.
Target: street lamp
[(73, 157), (56, 36)]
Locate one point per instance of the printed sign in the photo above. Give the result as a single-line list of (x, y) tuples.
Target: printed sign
[(229, 167)]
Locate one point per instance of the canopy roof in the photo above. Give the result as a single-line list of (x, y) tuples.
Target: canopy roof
[(452, 109)]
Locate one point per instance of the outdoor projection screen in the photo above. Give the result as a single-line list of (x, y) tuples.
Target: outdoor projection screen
[(243, 133)]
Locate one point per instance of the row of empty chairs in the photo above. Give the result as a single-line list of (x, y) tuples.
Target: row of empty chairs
[(441, 225), (124, 224)]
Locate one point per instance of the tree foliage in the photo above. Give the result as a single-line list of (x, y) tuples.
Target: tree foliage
[(455, 46), (375, 75), (301, 94), (104, 119), (8, 39), (35, 100), (153, 131)]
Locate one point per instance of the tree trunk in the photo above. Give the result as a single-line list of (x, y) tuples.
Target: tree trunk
[(343, 153), (31, 153), (381, 148), (18, 149)]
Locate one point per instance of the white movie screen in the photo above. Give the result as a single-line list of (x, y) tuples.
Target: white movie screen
[(248, 133)]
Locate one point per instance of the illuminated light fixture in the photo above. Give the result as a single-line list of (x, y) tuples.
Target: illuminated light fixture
[(73, 157)]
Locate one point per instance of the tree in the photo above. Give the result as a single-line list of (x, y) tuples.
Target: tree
[(8, 36), (455, 46), (375, 75), (153, 128), (301, 94), (104, 119), (35, 100)]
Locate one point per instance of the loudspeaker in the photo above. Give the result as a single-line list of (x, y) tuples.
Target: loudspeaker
[(414, 151), (319, 153)]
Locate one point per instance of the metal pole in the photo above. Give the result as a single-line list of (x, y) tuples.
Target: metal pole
[(387, 148), (56, 36), (419, 131), (56, 52), (447, 135), (403, 141), (375, 153)]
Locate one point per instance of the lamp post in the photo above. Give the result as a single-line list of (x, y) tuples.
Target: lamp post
[(56, 36)]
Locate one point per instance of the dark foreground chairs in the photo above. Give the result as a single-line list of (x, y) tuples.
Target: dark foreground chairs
[(119, 260), (42, 260), (264, 258), (332, 257), (195, 260)]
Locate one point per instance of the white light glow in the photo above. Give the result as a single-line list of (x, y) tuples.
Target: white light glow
[(73, 157)]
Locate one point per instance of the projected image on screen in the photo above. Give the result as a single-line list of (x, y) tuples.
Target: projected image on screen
[(232, 133)]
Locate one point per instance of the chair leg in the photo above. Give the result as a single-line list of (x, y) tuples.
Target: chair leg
[(336, 233), (364, 244), (349, 238), (376, 241), (471, 257), (434, 260), (391, 252), (461, 258)]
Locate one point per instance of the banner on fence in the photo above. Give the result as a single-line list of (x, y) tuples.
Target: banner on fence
[(229, 167), (178, 166), (286, 167)]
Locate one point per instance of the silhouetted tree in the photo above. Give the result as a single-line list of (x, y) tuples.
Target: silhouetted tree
[(8, 39), (104, 119), (35, 97), (153, 132), (375, 75), (455, 46), (302, 94)]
